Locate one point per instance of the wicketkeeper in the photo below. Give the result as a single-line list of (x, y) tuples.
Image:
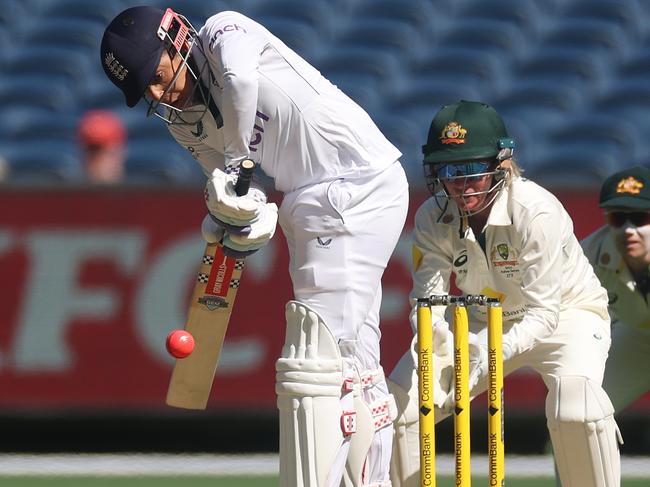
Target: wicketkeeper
[(501, 235), (233, 91)]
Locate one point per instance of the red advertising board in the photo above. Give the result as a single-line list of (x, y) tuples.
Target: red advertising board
[(92, 282)]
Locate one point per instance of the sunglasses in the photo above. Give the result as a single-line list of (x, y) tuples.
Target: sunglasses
[(446, 171), (618, 218)]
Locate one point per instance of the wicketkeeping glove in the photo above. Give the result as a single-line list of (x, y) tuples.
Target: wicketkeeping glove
[(443, 362), (478, 367), (478, 360)]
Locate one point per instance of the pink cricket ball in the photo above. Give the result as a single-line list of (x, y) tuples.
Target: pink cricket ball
[(180, 343)]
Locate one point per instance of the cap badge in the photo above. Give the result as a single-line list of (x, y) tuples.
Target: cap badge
[(453, 133), (115, 67), (629, 185)]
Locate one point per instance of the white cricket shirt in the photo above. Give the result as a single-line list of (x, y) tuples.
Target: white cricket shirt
[(532, 261), (626, 303), (280, 112)]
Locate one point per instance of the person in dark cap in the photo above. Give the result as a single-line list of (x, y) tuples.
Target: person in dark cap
[(505, 237), (620, 255), (233, 91)]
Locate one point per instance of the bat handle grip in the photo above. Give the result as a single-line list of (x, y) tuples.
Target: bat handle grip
[(246, 170)]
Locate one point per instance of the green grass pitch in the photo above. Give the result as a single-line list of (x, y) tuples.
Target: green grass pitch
[(212, 481)]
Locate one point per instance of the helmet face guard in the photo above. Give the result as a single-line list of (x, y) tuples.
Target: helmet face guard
[(437, 175), (180, 38)]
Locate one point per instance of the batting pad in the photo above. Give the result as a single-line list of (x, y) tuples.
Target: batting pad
[(309, 385), (585, 436), (374, 421), (405, 460)]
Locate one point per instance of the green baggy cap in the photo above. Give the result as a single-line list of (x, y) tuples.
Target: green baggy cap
[(629, 188)]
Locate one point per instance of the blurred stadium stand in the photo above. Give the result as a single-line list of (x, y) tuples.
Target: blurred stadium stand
[(548, 65)]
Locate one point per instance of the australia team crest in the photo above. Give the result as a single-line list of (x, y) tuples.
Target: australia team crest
[(453, 133), (504, 258)]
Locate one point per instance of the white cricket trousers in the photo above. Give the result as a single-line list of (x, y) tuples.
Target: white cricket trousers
[(341, 235)]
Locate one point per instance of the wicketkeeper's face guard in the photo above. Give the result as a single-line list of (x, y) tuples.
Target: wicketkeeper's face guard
[(180, 39), (466, 182)]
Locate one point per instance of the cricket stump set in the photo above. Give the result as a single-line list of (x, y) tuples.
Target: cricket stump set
[(462, 451)]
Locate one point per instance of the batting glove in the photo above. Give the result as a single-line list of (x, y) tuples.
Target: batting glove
[(256, 235), (212, 232), (227, 207), (240, 242)]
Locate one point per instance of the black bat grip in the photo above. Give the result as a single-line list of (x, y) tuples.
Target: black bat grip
[(246, 170)]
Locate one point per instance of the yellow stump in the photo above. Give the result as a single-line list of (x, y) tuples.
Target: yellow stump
[(462, 445), (496, 452), (425, 394)]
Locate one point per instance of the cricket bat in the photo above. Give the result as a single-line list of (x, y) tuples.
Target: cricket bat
[(210, 308)]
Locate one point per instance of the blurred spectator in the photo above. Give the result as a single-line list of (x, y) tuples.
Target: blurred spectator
[(102, 141)]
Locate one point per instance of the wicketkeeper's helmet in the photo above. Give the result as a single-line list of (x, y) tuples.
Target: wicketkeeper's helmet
[(466, 139)]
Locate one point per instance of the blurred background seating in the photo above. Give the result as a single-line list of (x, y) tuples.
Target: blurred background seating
[(569, 76)]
